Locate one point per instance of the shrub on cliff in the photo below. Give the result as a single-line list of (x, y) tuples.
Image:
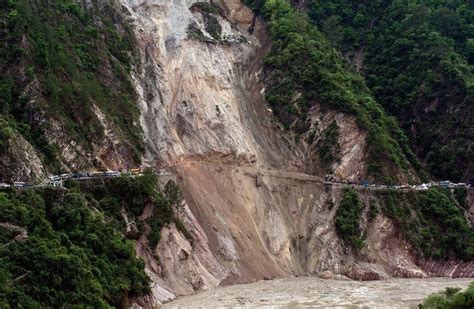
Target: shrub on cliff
[(347, 219)]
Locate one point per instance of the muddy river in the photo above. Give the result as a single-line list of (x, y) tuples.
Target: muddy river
[(307, 292)]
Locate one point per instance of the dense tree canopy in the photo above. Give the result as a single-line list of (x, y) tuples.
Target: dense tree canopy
[(431, 221), (303, 69), (58, 60), (70, 256), (64, 248), (347, 219), (417, 59)]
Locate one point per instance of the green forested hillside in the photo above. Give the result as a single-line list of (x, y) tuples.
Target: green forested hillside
[(57, 60), (409, 59), (303, 69), (66, 248), (431, 221), (417, 58)]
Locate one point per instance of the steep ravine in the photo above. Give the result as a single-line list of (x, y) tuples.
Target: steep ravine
[(205, 120)]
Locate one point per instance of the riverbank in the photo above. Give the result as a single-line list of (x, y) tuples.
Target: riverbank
[(314, 292)]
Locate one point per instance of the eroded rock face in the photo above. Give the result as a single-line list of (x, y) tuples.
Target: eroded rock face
[(21, 162), (250, 210), (189, 89), (283, 227), (202, 99)]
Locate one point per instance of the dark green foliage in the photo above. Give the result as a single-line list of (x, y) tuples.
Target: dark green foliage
[(155, 233), (128, 193), (373, 210), (175, 198), (213, 27), (71, 258), (209, 12), (417, 60), (75, 253), (431, 222), (329, 148), (461, 197), (194, 32), (451, 298), (347, 219), (304, 69), (6, 132), (75, 58), (172, 201), (132, 195), (205, 7), (173, 194)]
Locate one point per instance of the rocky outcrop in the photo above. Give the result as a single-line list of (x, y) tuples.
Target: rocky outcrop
[(19, 161)]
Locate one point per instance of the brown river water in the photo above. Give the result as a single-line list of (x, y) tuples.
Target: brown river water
[(311, 292)]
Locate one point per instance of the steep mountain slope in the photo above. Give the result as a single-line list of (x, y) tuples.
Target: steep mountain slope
[(255, 204), (417, 59), (251, 212), (58, 251), (66, 99), (303, 71)]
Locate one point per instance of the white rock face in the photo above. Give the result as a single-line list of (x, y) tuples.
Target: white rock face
[(192, 92)]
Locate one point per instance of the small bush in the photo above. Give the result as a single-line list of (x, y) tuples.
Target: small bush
[(213, 27), (461, 197), (205, 7), (451, 298), (347, 219), (373, 210)]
